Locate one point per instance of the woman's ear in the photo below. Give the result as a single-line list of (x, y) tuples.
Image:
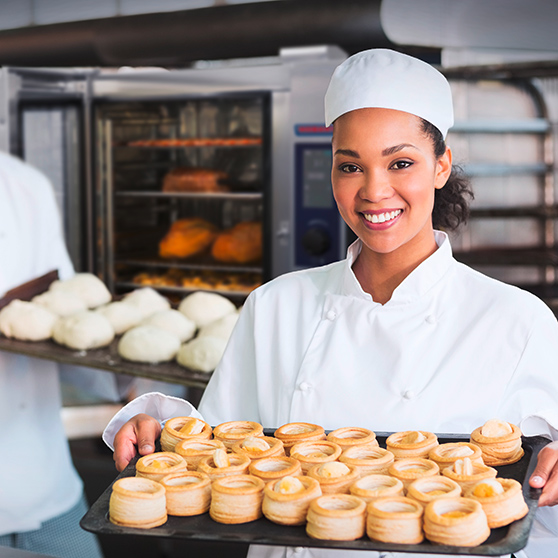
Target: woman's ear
[(443, 169)]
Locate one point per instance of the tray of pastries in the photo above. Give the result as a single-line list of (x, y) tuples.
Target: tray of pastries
[(350, 488)]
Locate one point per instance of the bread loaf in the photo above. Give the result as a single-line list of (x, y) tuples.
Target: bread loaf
[(240, 244), (187, 237), (185, 179)]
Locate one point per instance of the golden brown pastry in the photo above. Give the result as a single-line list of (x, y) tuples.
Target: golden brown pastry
[(395, 519), (275, 468), (411, 469), (372, 487), (241, 244), (466, 473), (455, 521), (499, 441), (315, 453), (294, 432), (236, 499), (193, 451), (351, 436), (286, 501), (501, 499), (194, 179), (157, 465), (187, 237), (411, 443), (187, 493), (426, 489), (183, 428), (259, 447), (368, 459), (336, 517), (334, 477), (223, 464), (137, 502), (235, 431), (445, 455)]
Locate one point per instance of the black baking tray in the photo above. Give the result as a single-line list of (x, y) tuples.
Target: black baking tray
[(504, 540)]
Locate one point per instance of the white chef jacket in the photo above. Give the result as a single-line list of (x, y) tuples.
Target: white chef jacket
[(451, 349), (37, 479)]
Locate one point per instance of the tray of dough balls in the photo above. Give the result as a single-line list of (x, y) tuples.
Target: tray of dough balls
[(350, 488), (77, 321)]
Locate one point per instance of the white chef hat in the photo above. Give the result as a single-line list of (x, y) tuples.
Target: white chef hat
[(385, 78)]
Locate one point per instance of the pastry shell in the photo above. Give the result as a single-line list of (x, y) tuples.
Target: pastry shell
[(145, 466), (290, 509), (335, 485), (171, 435), (441, 454), (503, 450), (368, 459), (372, 487), (411, 469), (395, 520), (351, 436), (236, 499), (275, 468), (480, 472), (137, 502), (502, 509), (426, 489), (275, 449), (187, 493), (238, 466), (235, 431), (470, 529), (294, 432), (193, 451), (315, 453), (337, 517), (403, 450)]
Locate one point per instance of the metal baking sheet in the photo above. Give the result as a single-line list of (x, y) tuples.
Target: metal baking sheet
[(504, 540)]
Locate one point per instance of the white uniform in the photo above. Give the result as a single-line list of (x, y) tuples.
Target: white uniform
[(38, 481), (450, 350)]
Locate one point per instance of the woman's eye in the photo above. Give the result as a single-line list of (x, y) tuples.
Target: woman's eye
[(399, 165), (349, 168)]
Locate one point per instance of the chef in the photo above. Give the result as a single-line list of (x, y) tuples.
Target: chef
[(399, 335)]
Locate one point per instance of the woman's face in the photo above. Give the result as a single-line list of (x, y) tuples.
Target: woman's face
[(384, 176)]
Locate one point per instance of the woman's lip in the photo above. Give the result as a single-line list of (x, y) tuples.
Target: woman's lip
[(383, 225)]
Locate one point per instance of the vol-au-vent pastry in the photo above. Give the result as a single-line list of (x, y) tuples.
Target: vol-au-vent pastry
[(501, 499), (350, 436), (466, 473), (259, 447), (187, 493), (177, 429), (336, 517), (334, 477), (194, 450), (372, 487), (411, 469), (315, 453), (426, 489), (275, 468), (395, 519), (455, 521), (236, 499), (445, 455), (499, 441), (368, 459), (157, 465), (411, 443), (137, 502), (235, 431), (286, 500), (27, 321), (222, 464), (294, 432)]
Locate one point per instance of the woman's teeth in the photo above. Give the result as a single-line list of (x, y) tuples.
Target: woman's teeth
[(382, 217)]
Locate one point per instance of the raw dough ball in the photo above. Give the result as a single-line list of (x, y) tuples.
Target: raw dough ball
[(203, 308), (26, 321), (202, 353), (60, 303), (147, 301), (122, 316), (174, 322), (86, 286), (148, 344), (84, 330), (221, 328)]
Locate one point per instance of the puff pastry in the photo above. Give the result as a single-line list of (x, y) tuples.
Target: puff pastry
[(395, 520), (445, 455), (368, 459), (235, 465), (295, 432), (334, 477), (183, 428), (466, 473), (286, 501), (187, 493), (157, 465), (337, 517), (236, 499), (372, 487), (137, 502), (411, 443), (499, 441), (235, 431), (275, 468), (426, 489), (501, 499), (455, 521), (259, 447), (352, 436), (315, 453), (411, 469), (193, 451)]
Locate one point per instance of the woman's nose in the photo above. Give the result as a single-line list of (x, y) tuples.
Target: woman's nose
[(375, 187)]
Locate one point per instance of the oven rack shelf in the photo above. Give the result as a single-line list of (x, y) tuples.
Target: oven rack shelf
[(537, 256), (186, 265), (238, 196), (546, 212), (180, 143)]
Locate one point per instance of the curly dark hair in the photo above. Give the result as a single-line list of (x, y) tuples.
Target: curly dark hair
[(451, 203)]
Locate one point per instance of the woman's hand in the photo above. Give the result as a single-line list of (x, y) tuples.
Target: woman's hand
[(545, 475), (141, 431)]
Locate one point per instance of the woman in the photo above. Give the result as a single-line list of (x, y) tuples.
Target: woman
[(399, 336)]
